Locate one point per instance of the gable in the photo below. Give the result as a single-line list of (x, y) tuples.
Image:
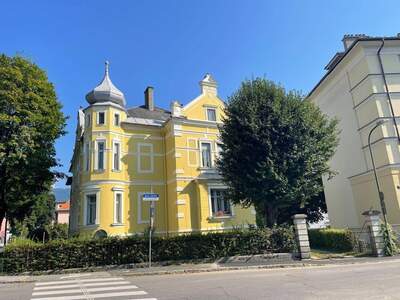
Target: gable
[(197, 108)]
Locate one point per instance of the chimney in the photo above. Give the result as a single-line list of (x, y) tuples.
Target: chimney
[(208, 85), (149, 98), (176, 109)]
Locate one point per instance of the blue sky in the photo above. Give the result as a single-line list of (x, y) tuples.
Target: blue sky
[(172, 44)]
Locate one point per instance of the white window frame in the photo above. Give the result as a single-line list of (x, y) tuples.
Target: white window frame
[(98, 118), (210, 204), (201, 154), (119, 119), (139, 155), (118, 191), (85, 212), (214, 108), (97, 154), (195, 150), (139, 209), (115, 141), (215, 113)]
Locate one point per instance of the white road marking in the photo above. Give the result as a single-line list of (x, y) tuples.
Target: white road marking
[(93, 296), (75, 276), (80, 280), (73, 291), (51, 287), (87, 289)]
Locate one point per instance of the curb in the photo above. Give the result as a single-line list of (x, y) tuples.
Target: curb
[(17, 281), (185, 271), (306, 263), (127, 273), (218, 269)]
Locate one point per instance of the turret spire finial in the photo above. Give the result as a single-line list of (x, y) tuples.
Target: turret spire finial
[(107, 63)]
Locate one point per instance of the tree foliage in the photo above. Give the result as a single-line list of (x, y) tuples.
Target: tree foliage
[(37, 224), (275, 150), (30, 122)]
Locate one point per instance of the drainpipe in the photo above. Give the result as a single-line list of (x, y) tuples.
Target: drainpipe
[(387, 89)]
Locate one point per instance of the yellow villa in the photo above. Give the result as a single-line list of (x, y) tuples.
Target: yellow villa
[(121, 153)]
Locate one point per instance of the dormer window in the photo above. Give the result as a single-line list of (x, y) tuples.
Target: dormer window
[(211, 114), (101, 118)]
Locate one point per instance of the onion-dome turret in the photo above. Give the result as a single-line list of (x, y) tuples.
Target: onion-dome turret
[(106, 91)]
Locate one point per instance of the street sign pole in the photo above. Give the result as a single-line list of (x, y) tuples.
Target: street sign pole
[(152, 198), (152, 205)]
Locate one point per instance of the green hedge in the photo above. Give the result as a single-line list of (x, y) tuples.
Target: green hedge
[(332, 239), (75, 253)]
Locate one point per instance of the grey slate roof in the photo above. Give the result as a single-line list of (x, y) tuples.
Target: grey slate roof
[(144, 113)]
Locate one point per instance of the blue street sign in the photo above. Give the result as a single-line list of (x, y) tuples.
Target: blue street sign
[(150, 197)]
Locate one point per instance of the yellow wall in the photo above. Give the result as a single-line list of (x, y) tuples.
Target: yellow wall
[(176, 175)]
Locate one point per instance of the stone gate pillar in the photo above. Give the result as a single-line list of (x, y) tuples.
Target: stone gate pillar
[(373, 223), (300, 227)]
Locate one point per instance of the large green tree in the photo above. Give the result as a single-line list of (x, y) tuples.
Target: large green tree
[(30, 122), (275, 150)]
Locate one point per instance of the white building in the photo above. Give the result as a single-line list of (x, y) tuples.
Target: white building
[(360, 88)]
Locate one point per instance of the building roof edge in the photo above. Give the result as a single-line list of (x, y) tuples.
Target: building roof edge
[(345, 54)]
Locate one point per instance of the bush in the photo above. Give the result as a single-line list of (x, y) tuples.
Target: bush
[(77, 253), (57, 231), (332, 239), (390, 246), (19, 241)]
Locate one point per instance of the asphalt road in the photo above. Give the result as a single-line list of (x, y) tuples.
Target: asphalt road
[(359, 281)]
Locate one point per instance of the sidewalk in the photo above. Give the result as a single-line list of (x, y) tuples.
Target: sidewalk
[(192, 268), (218, 267)]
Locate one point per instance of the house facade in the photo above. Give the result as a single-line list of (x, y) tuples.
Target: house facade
[(62, 212), (362, 89), (121, 153)]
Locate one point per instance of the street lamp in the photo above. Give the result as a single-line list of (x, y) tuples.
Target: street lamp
[(380, 193)]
